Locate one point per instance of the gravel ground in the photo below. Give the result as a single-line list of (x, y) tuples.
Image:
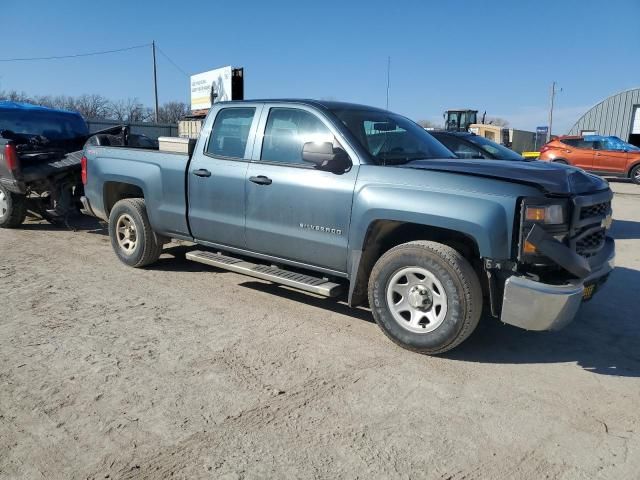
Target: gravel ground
[(186, 371)]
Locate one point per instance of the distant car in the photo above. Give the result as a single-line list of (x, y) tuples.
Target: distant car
[(470, 145), (607, 156)]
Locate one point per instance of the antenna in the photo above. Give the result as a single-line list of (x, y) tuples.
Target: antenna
[(388, 79), (155, 78)]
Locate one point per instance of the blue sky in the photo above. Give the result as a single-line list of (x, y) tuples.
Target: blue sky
[(499, 56)]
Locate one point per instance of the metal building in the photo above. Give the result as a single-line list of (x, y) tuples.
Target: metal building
[(617, 115)]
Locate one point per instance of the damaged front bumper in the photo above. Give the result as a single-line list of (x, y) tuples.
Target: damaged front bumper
[(534, 305)]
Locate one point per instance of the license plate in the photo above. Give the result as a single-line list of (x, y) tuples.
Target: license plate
[(587, 293)]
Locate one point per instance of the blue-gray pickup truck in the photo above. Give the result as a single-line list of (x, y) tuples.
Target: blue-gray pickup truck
[(333, 198)]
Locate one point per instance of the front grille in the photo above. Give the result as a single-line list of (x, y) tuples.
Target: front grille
[(597, 210), (591, 243), (587, 234)]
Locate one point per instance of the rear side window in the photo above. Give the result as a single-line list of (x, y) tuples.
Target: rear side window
[(230, 132), (578, 143), (287, 130)]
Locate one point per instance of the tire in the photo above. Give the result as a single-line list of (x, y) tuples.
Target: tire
[(132, 238), (635, 175), (13, 208), (453, 320), (563, 162)]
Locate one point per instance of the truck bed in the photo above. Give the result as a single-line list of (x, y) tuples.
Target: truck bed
[(159, 175)]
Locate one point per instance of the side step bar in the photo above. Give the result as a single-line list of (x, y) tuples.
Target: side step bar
[(319, 286)]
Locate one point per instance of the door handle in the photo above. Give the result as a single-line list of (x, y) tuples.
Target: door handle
[(203, 172), (261, 180)]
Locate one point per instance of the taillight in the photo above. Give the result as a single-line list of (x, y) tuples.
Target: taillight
[(11, 157), (83, 166)]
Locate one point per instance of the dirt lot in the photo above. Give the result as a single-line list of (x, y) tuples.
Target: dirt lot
[(185, 371)]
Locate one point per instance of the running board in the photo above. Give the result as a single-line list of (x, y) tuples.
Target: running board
[(320, 286)]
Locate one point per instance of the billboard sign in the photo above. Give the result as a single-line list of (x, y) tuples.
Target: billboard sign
[(202, 84)]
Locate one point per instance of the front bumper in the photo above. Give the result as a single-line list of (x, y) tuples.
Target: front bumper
[(539, 306)]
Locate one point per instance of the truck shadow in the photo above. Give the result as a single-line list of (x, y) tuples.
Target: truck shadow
[(603, 339), (337, 305), (76, 223), (625, 230)]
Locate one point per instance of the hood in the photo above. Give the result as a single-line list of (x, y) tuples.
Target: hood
[(552, 178)]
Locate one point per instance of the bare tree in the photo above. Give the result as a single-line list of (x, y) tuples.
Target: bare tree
[(500, 122), (14, 96), (172, 112), (427, 124), (129, 110), (92, 106)]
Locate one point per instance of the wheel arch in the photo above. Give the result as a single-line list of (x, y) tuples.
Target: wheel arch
[(383, 234), (114, 191), (633, 165)]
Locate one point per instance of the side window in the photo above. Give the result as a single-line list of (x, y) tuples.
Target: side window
[(287, 131), (578, 143), (230, 132)]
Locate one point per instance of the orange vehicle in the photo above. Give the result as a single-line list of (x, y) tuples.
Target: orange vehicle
[(606, 156)]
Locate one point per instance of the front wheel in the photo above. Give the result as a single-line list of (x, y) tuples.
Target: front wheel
[(132, 238), (635, 175), (425, 296), (13, 208)]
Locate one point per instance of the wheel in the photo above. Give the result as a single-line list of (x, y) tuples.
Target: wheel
[(563, 162), (13, 208), (425, 296), (132, 237), (635, 175)]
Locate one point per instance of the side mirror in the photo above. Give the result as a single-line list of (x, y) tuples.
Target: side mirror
[(325, 157)]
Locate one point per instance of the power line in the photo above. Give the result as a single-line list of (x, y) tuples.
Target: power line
[(58, 57), (172, 62)]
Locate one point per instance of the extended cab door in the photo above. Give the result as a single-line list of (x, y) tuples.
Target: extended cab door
[(217, 174), (295, 211)]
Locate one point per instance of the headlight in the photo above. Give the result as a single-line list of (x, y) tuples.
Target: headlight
[(550, 214)]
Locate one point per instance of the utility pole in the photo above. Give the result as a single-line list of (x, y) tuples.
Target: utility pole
[(388, 79), (155, 77), (553, 96)]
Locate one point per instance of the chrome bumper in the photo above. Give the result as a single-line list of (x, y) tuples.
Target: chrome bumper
[(539, 306)]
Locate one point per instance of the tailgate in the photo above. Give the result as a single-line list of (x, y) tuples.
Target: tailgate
[(36, 170)]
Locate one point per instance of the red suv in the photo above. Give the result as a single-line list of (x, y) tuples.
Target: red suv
[(607, 156)]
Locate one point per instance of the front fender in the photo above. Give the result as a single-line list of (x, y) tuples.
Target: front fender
[(487, 219)]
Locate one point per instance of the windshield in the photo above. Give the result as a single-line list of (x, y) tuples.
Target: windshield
[(390, 139), (498, 151), (53, 125), (617, 144)]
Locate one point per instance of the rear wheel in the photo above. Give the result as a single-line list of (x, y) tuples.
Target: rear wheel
[(635, 175), (425, 296), (561, 161), (13, 208), (132, 238)]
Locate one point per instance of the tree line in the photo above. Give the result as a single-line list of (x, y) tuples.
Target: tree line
[(98, 107)]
